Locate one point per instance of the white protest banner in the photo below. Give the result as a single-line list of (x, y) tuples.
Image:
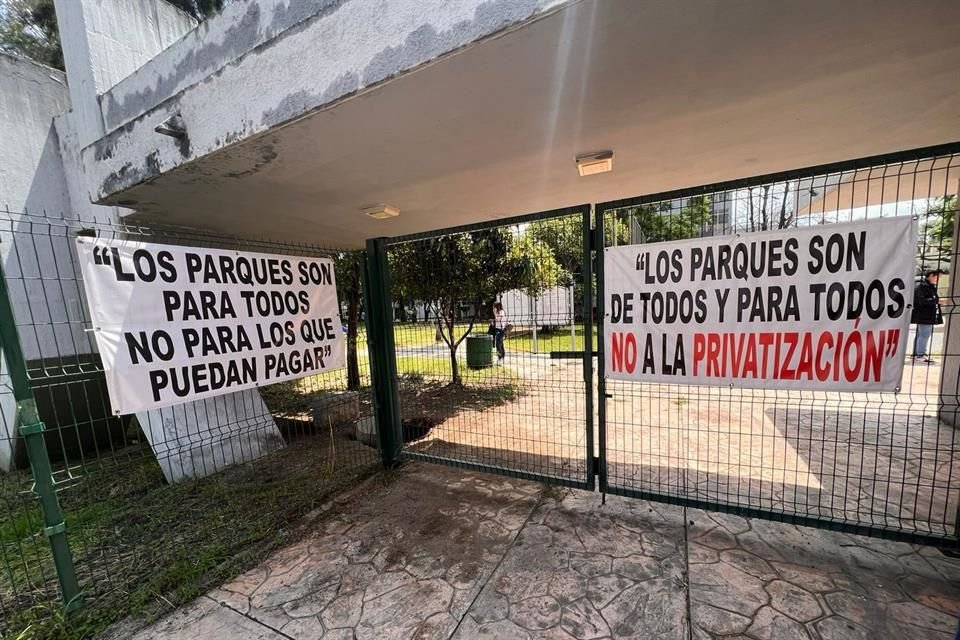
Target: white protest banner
[(176, 324), (825, 307)]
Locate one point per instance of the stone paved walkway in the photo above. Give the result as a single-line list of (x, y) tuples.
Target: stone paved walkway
[(440, 553)]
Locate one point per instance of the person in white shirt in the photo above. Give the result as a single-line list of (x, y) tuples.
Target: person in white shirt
[(499, 330)]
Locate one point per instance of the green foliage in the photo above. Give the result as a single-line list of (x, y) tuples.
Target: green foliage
[(29, 28), (541, 270), (564, 237), (660, 223), (471, 268), (938, 229), (616, 228)]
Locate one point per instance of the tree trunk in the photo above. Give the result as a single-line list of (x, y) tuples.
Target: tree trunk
[(454, 367), (765, 208), (353, 315), (785, 220)]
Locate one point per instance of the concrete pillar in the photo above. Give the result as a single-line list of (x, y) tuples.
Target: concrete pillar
[(950, 371), (103, 42)]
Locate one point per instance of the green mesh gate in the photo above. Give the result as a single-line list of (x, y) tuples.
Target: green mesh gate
[(530, 413), (95, 523), (880, 464)]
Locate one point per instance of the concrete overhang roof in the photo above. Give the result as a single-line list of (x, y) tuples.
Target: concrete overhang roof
[(469, 110)]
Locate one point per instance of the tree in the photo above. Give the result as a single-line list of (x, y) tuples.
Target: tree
[(347, 267), (29, 28), (659, 222), (540, 269), (937, 232), (472, 268), (564, 237), (765, 208)]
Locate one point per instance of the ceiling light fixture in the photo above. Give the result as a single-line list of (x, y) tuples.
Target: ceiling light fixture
[(590, 164), (382, 212)]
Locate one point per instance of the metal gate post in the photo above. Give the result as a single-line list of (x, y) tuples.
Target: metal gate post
[(587, 270), (383, 363), (598, 248), (31, 428)]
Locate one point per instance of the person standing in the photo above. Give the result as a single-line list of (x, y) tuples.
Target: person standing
[(926, 315), (499, 330)]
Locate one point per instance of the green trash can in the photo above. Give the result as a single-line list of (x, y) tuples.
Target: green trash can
[(479, 352)]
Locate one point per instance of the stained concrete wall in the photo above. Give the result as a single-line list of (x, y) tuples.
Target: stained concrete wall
[(263, 63), (107, 40), (31, 179), (30, 96), (41, 171)]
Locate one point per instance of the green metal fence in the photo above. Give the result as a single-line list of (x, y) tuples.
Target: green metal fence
[(96, 527), (879, 464), (511, 395), (442, 375)]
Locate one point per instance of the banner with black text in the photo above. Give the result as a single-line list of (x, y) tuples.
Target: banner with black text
[(175, 324), (825, 307)]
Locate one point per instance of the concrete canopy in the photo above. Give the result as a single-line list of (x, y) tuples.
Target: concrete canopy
[(684, 93)]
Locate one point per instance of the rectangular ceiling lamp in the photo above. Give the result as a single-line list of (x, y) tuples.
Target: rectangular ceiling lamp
[(594, 163), (382, 212)]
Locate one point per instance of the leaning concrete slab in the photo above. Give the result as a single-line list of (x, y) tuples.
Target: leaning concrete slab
[(200, 438)]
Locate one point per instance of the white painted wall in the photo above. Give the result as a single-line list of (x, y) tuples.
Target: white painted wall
[(30, 96), (31, 179)]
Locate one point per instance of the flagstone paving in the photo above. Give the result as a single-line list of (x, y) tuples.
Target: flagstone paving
[(441, 553)]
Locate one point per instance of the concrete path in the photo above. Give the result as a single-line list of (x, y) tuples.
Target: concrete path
[(438, 553)]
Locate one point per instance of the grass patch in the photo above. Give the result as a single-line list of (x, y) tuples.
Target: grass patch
[(555, 339), (142, 546), (438, 368)]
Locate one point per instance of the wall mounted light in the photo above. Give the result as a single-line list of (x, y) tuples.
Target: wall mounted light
[(590, 164), (382, 212)]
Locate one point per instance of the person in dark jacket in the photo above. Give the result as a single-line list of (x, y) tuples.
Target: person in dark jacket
[(926, 315)]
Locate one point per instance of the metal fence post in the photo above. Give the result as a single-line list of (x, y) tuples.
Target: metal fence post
[(383, 363), (31, 428), (598, 248), (587, 269)]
